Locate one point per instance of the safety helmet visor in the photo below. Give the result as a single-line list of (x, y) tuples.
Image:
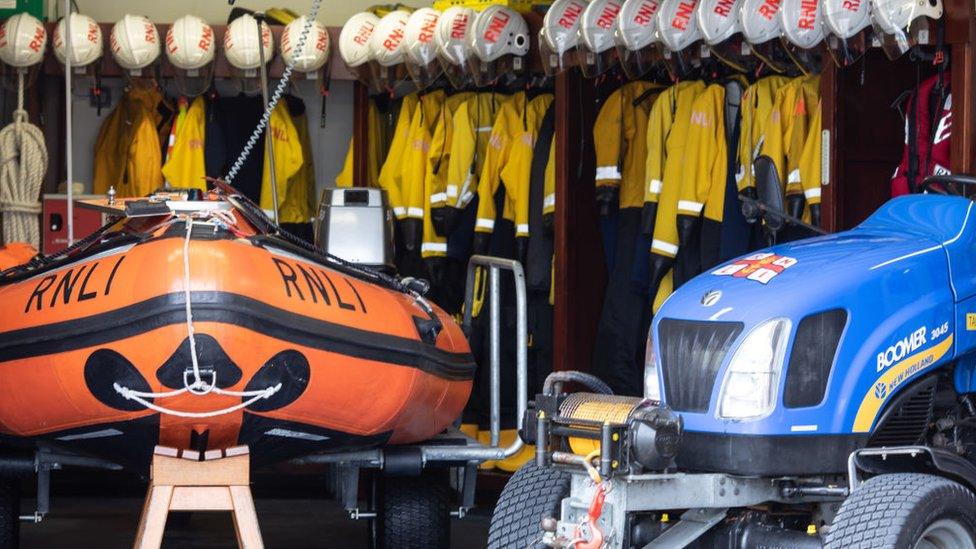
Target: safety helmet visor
[(386, 68), (847, 24), (635, 37), (596, 50), (420, 47), (500, 40), (678, 29), (354, 44), (761, 29), (718, 21), (559, 35), (899, 25), (453, 48)]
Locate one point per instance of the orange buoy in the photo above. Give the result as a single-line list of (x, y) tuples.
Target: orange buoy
[(200, 328)]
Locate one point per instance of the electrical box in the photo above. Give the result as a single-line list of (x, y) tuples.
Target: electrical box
[(54, 215), (36, 8)]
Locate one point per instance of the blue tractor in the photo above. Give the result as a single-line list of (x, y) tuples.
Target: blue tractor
[(816, 393)]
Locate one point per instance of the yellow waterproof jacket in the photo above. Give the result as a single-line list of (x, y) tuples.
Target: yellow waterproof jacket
[(705, 165), (506, 129), (665, 241), (804, 110), (415, 153), (288, 157), (127, 151), (391, 174), (186, 166), (374, 153), (659, 123), (472, 129), (776, 141), (300, 200), (620, 141), (435, 180), (757, 104), (516, 175)]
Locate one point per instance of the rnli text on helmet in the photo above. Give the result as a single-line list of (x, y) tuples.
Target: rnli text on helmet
[(608, 16), (495, 28), (392, 41), (459, 25), (683, 15), (902, 348), (206, 38), (724, 7), (363, 34), (769, 9), (645, 14), (428, 28), (808, 14), (571, 15)]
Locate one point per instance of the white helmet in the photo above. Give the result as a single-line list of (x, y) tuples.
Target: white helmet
[(718, 21), (453, 47), (499, 38), (241, 43), (386, 54), (387, 38), (420, 48), (900, 23), (677, 27), (761, 27), (134, 42), (676, 24), (802, 23), (23, 40), (560, 34), (595, 51), (86, 40), (355, 37), (636, 36), (190, 43), (846, 23), (316, 51)]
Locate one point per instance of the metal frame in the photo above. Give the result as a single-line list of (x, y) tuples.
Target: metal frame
[(452, 449)]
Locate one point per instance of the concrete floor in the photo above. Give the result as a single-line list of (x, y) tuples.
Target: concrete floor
[(110, 522)]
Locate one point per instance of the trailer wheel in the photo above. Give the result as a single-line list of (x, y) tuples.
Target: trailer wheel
[(413, 512), (9, 515), (533, 493), (906, 510)]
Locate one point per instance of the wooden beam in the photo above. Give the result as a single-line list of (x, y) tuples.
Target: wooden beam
[(830, 206), (579, 272)]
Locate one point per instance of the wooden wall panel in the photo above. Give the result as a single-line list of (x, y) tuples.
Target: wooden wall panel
[(580, 273)]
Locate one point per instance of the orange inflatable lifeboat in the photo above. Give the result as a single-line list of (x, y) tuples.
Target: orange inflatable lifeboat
[(198, 325)]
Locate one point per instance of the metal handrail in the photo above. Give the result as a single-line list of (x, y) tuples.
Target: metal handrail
[(494, 451)]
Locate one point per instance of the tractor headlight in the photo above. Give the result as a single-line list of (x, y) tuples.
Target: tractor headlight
[(751, 381), (652, 386)]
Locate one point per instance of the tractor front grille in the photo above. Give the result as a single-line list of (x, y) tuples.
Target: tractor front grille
[(691, 354)]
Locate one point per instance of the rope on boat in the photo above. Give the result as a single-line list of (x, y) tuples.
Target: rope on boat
[(193, 382)]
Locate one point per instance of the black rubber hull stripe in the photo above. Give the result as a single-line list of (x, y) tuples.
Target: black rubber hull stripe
[(237, 310)]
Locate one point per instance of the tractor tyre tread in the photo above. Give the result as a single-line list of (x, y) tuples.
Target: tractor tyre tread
[(414, 512), (892, 510)]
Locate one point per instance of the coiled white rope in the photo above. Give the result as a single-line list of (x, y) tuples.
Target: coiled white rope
[(193, 382), (275, 97), (23, 163)]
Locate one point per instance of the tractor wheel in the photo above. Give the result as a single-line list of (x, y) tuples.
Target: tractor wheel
[(9, 515), (532, 494), (413, 512), (906, 510)]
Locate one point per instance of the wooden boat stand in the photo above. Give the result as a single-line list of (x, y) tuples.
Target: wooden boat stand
[(181, 482)]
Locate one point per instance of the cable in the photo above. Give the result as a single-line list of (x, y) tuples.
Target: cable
[(23, 163), (275, 97)]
